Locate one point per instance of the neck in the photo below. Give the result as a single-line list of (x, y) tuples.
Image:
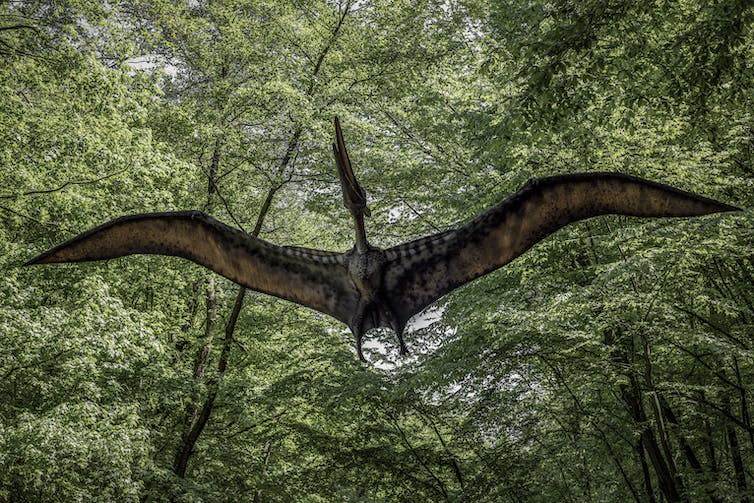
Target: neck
[(361, 235)]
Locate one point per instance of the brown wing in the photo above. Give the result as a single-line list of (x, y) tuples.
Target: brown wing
[(420, 272), (312, 278)]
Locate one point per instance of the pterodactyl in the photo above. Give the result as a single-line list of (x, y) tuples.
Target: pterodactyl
[(368, 287)]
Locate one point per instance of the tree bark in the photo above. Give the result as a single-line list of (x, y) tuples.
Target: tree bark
[(664, 476), (687, 450), (648, 490), (265, 463), (670, 484), (735, 455), (654, 398), (631, 395), (745, 417), (193, 410)]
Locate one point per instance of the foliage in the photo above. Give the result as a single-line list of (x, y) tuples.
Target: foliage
[(613, 362)]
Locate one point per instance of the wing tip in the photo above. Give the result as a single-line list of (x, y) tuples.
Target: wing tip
[(33, 261), (46, 257), (53, 255), (713, 205), (728, 208)]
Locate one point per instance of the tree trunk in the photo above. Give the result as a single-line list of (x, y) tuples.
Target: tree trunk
[(196, 416), (200, 416), (648, 490), (664, 476), (265, 463), (188, 437), (631, 395), (190, 433), (745, 417), (687, 450), (735, 454)]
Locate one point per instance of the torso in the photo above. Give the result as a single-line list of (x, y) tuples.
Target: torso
[(365, 270)]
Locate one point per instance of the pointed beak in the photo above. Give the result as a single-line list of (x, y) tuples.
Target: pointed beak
[(354, 197)]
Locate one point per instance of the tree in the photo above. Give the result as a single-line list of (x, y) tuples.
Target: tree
[(610, 363)]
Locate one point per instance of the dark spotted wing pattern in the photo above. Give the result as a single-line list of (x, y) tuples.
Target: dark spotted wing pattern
[(420, 272), (312, 278)]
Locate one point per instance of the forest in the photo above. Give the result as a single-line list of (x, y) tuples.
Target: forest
[(612, 362)]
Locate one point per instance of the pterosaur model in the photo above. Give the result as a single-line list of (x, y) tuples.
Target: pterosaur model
[(368, 287)]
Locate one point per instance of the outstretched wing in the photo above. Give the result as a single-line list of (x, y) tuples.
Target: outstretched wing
[(312, 278), (420, 272)]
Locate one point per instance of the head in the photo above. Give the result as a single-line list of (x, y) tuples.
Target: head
[(354, 197)]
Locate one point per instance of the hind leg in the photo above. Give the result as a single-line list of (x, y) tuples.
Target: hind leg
[(403, 350), (397, 328), (357, 329)]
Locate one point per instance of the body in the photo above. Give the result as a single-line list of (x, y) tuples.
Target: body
[(367, 287)]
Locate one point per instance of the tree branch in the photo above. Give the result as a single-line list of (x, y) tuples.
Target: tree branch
[(58, 189)]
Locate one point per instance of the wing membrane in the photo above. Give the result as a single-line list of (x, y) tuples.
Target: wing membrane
[(312, 278), (420, 272)]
